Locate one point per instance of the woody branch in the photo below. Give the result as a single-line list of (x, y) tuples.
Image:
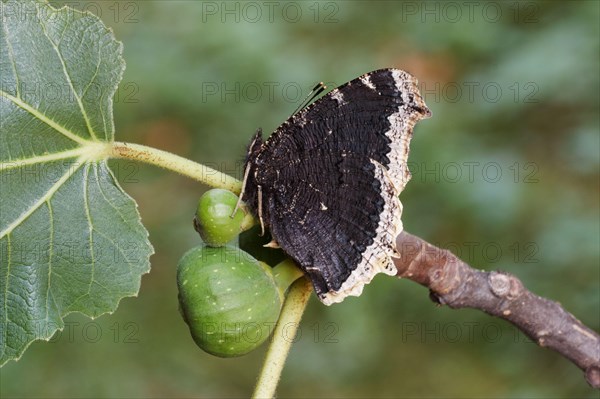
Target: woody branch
[(454, 283)]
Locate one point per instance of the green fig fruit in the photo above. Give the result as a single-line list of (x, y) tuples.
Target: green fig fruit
[(213, 217), (228, 299)]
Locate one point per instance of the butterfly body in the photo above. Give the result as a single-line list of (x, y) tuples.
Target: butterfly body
[(326, 182)]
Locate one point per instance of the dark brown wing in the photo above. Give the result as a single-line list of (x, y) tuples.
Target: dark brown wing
[(330, 176)]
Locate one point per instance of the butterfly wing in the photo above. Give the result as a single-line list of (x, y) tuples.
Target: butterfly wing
[(330, 176)]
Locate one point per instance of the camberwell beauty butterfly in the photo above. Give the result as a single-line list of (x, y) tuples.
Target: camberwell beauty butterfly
[(326, 183)]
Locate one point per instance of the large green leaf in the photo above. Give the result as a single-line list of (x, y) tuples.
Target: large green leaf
[(71, 239)]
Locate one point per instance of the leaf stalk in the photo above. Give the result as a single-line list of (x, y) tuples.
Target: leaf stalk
[(175, 163)]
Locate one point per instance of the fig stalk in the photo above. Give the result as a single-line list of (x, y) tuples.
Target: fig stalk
[(282, 340)]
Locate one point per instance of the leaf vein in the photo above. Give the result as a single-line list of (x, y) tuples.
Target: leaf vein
[(117, 210), (60, 129), (68, 76), (94, 75), (91, 225), (11, 56), (62, 33), (18, 163), (127, 261), (50, 253), (47, 196)]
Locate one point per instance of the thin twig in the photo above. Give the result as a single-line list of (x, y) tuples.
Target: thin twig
[(454, 283), (282, 339)]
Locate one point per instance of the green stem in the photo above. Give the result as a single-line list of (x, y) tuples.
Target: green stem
[(178, 164), (249, 221), (285, 273), (284, 334)]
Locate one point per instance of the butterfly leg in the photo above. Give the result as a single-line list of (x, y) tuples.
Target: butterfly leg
[(260, 216), (239, 201)]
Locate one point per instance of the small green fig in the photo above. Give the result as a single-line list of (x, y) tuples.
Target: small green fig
[(213, 217), (229, 301)]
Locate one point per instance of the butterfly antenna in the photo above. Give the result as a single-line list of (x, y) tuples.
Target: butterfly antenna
[(239, 201), (318, 89)]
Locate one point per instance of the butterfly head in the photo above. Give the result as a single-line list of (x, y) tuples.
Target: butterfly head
[(250, 187), (255, 147)]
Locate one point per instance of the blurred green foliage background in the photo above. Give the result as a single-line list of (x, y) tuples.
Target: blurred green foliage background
[(505, 173)]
